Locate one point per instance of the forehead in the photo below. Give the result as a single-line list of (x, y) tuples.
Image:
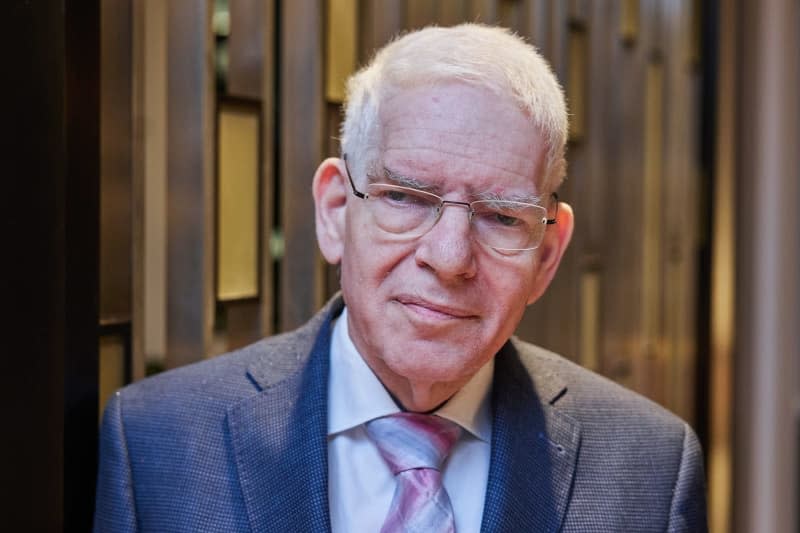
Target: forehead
[(460, 137)]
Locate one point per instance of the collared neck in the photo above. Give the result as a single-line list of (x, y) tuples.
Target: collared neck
[(356, 395)]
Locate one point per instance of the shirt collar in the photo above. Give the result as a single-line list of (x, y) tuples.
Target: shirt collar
[(356, 395)]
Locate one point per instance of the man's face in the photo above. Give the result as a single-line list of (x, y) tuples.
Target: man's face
[(436, 308)]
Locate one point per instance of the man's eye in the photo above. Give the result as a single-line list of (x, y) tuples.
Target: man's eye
[(397, 196), (506, 220)]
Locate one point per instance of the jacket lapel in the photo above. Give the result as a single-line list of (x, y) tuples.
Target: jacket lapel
[(279, 436), (534, 447)]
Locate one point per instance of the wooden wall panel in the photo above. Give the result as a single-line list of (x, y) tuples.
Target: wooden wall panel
[(681, 216), (268, 305), (302, 139), (510, 14), (420, 13), (451, 12), (379, 22), (190, 171), (116, 160), (537, 24), (483, 11), (246, 47)]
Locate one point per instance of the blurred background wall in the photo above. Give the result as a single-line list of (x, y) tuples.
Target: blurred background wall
[(191, 129)]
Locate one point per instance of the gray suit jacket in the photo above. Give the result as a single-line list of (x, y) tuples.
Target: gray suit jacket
[(238, 443)]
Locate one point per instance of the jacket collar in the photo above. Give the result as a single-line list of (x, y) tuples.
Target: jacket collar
[(279, 436), (534, 446)]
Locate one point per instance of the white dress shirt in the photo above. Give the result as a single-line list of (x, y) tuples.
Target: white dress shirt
[(360, 484)]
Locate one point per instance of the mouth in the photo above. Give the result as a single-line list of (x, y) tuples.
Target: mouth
[(433, 310)]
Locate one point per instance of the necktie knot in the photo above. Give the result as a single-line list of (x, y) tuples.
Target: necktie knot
[(411, 440)]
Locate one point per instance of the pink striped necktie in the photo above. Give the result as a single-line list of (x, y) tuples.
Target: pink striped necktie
[(415, 446)]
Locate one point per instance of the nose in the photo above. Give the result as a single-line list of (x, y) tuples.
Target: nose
[(447, 248)]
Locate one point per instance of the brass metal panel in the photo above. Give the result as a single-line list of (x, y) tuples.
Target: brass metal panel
[(190, 122), (420, 13), (302, 129), (246, 48), (577, 65), (341, 55), (112, 368), (379, 22), (629, 21), (116, 160), (237, 202), (590, 320)]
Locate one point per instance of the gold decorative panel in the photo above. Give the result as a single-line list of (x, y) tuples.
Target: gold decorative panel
[(237, 203), (576, 82), (590, 320), (340, 49), (629, 21)]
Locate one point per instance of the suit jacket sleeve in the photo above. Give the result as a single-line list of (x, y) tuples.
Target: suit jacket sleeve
[(115, 507), (688, 509)]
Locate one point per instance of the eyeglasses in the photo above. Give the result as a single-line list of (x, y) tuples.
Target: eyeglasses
[(504, 225)]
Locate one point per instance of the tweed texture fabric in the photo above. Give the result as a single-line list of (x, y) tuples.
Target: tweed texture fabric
[(414, 447), (239, 443)]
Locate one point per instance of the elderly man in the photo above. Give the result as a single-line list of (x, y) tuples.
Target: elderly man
[(405, 404)]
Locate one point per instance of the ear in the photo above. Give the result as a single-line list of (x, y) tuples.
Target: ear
[(551, 250), (330, 189)]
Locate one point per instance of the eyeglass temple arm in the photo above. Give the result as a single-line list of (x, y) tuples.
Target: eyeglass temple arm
[(352, 183), (554, 197)]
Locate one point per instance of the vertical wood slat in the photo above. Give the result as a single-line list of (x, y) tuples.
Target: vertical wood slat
[(302, 127), (650, 356), (484, 11), (537, 24), (681, 214), (767, 339), (622, 316), (578, 11), (510, 14), (451, 12), (245, 48), (420, 13), (115, 161), (150, 189), (267, 303), (379, 22), (190, 105)]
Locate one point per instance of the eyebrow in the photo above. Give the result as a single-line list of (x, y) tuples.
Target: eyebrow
[(407, 181)]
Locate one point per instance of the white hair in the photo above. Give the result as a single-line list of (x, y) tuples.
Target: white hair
[(490, 57)]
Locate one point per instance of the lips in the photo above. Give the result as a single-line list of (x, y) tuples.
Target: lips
[(434, 310)]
